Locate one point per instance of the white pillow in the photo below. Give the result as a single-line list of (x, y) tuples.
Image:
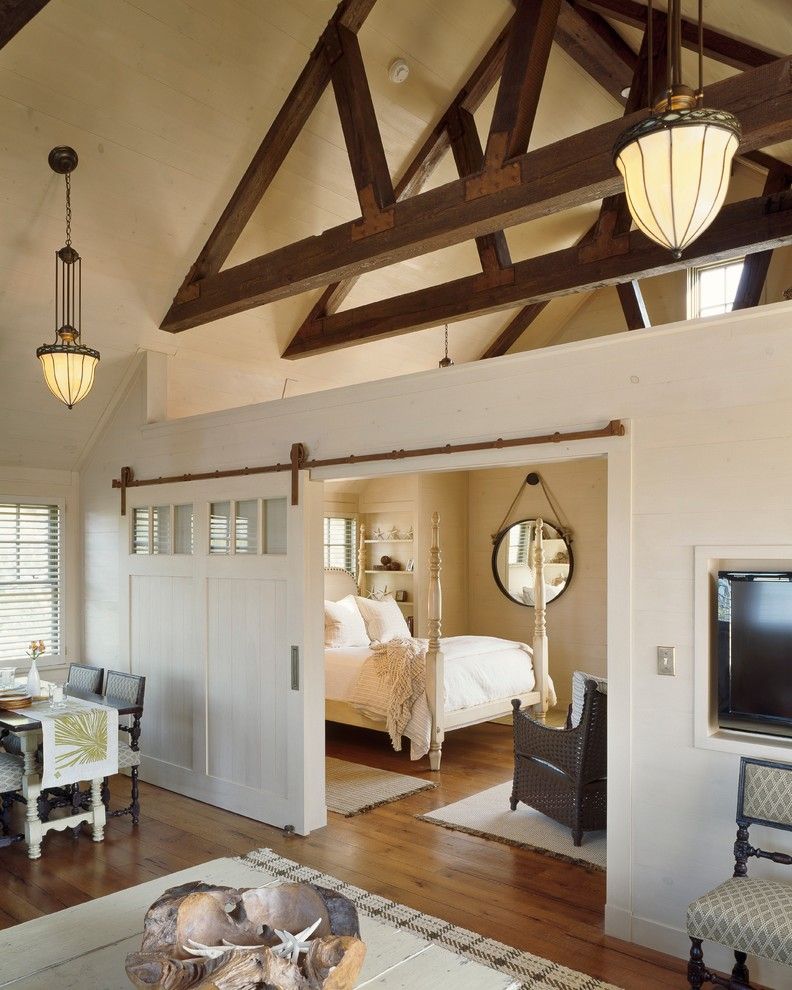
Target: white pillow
[(344, 624), (384, 619)]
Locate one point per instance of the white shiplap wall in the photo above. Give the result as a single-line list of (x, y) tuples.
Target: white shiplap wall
[(711, 446)]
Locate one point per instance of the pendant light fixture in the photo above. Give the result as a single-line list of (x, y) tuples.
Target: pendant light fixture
[(676, 163), (68, 365), (445, 362)]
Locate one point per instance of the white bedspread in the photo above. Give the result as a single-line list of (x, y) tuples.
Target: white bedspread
[(478, 669)]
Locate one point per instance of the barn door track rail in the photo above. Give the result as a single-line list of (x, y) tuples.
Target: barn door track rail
[(299, 460)]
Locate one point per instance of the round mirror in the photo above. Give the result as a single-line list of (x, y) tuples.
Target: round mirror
[(512, 561)]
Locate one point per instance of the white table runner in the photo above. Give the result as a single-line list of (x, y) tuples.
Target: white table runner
[(80, 741)]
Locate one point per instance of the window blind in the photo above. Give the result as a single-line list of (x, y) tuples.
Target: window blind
[(339, 542), (518, 544), (30, 567)]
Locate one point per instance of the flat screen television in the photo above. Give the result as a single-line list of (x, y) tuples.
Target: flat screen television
[(755, 651)]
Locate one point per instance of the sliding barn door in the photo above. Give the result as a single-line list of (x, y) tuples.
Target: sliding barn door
[(220, 580)]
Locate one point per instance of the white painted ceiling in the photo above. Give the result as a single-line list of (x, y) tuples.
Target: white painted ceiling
[(165, 102)]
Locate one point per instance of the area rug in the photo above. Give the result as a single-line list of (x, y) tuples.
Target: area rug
[(353, 788), (85, 946), (525, 971), (488, 813)]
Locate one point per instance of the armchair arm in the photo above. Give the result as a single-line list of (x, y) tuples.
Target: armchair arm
[(560, 748)]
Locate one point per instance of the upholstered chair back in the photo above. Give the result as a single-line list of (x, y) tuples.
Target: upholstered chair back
[(765, 793), (84, 677), (125, 687)]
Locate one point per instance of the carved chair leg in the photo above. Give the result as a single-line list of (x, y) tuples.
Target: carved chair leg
[(513, 798), (5, 813), (135, 806), (577, 835), (740, 971), (696, 970), (106, 792)]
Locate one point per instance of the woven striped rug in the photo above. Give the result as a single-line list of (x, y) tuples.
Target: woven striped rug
[(523, 971), (353, 788)]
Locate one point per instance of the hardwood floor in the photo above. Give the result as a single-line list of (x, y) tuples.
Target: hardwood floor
[(528, 900)]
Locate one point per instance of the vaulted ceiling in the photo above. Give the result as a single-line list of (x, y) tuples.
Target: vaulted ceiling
[(166, 102)]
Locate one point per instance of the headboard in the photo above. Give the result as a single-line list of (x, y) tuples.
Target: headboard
[(338, 583)]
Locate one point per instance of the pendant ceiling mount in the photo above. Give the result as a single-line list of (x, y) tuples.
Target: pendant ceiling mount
[(676, 163), (68, 365)]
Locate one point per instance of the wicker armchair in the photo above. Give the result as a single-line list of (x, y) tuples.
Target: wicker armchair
[(563, 772)]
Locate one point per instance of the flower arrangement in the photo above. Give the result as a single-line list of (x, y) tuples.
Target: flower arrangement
[(36, 649)]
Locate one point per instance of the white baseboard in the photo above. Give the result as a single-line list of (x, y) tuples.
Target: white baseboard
[(675, 942), (618, 923)]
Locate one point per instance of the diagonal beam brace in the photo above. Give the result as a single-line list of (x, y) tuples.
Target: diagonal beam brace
[(597, 48), (752, 225), (272, 151), (530, 41), (469, 158), (470, 97), (571, 172), (358, 121), (15, 14), (757, 265)]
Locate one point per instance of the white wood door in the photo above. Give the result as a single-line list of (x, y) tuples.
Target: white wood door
[(233, 715)]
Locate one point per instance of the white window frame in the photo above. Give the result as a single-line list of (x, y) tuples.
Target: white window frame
[(355, 517), (59, 658), (173, 552), (693, 289), (261, 515)]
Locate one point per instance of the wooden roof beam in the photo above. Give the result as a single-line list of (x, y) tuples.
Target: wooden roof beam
[(752, 225), (571, 172), (720, 47), (359, 124), (470, 97), (530, 40), (15, 14), (278, 141), (757, 265), (597, 48)]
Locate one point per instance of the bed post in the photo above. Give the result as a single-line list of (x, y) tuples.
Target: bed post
[(435, 676), (540, 624), (361, 561)]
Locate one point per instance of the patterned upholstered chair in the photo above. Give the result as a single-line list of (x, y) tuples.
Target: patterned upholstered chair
[(84, 677), (10, 785), (563, 772), (747, 914), (130, 688)]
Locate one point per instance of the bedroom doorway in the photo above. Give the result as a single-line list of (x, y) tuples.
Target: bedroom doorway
[(377, 529)]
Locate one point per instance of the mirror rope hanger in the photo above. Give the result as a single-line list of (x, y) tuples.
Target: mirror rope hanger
[(534, 478)]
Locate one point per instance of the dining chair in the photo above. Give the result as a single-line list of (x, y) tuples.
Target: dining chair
[(85, 677), (749, 915), (130, 688), (11, 768)]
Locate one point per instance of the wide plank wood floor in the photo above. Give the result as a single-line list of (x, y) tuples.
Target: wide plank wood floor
[(528, 900)]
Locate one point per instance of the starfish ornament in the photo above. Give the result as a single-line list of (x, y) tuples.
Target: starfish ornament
[(293, 945)]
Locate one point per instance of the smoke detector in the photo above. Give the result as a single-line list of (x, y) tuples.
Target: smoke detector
[(398, 71)]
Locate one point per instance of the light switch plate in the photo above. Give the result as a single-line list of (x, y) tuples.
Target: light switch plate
[(666, 661)]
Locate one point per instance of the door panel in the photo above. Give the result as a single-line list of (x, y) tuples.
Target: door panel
[(247, 682), (162, 648)]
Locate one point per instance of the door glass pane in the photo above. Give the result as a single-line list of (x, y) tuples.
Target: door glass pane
[(246, 532), (219, 527), (140, 530), (274, 525), (183, 529), (161, 534)]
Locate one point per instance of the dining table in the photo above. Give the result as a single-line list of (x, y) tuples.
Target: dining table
[(27, 727)]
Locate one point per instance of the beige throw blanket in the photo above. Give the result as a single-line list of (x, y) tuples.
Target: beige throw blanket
[(391, 687)]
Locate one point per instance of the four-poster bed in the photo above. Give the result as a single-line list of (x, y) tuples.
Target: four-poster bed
[(445, 661)]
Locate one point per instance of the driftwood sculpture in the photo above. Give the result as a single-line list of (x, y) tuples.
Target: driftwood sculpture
[(291, 936)]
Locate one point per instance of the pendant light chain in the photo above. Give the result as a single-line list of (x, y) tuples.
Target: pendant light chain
[(68, 209), (649, 57), (700, 94)]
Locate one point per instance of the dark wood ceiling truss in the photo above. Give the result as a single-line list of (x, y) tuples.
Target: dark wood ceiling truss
[(500, 185)]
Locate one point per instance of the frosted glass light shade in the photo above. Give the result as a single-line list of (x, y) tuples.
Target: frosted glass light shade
[(68, 370), (676, 167)]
